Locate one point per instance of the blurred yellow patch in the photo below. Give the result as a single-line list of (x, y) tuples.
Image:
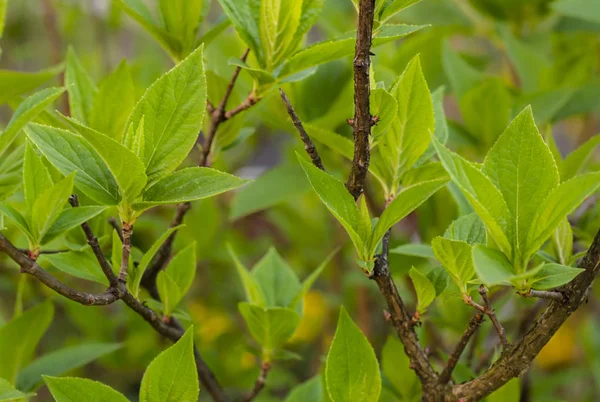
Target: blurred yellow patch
[(560, 350), (313, 320), (210, 323)]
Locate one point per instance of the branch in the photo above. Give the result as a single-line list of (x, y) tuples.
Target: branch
[(309, 146), (544, 294), (400, 317), (489, 311), (460, 347), (260, 383), (127, 231), (362, 114), (115, 225), (517, 358)]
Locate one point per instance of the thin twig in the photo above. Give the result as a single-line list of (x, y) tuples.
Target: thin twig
[(265, 367), (127, 231), (362, 114), (309, 146), (247, 103), (489, 311), (460, 347), (41, 252), (544, 294), (114, 223)]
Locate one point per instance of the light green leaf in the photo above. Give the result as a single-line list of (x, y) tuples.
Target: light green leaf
[(189, 184), (11, 173), (15, 217), (557, 205), (17, 83), (331, 139), (70, 218), (70, 389), (583, 9), (9, 393), (414, 250), (441, 125), (511, 391), (20, 336), (173, 111), (562, 241), (278, 22), (311, 390), (492, 266), (396, 369), (80, 264), (522, 167), (113, 102), (467, 228), (172, 375), (340, 203), (456, 258), (551, 276), (61, 361), (245, 17), (81, 88), (276, 279), (27, 111), (351, 372), (462, 75), (391, 8), (49, 205), (385, 107), (576, 161), (407, 200), (126, 167), (70, 153), (177, 277), (530, 63), (271, 327), (36, 178), (182, 19), (424, 288), (254, 293), (484, 197), (310, 280)]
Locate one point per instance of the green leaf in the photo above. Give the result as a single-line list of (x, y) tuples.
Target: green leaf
[(396, 369), (80, 264), (278, 185), (407, 200), (36, 178), (521, 165), (441, 125), (583, 9), (8, 393), (551, 276), (136, 275), (385, 107), (331, 139), (340, 203), (11, 173), (351, 371), (467, 228), (557, 205), (278, 22), (562, 241), (245, 16), (27, 111), (410, 133), (81, 88), (311, 390), (70, 218), (62, 361), (20, 336), (414, 250), (49, 205), (276, 279), (482, 194), (424, 288), (456, 258), (271, 327), (70, 153), (69, 389), (189, 184), (462, 75), (310, 280), (17, 83), (182, 19), (113, 102), (175, 281), (172, 375), (126, 167), (254, 293), (173, 111), (391, 8), (511, 391), (576, 161), (16, 218), (492, 266)]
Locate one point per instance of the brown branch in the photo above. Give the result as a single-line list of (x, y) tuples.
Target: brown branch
[(362, 114), (114, 223), (127, 231), (309, 146), (474, 324), (517, 358), (247, 103), (489, 311), (400, 317), (42, 252), (544, 294), (260, 383)]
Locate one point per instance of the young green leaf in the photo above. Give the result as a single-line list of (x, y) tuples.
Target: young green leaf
[(562, 242), (390, 8), (11, 173), (385, 107), (182, 19), (492, 266), (9, 393), (172, 375), (254, 293), (441, 129), (575, 162), (80, 264), (467, 228), (396, 369), (68, 389), (456, 258), (81, 88), (276, 279), (174, 282), (351, 372), (522, 167), (554, 275), (278, 22), (414, 250), (189, 184), (36, 178), (311, 390), (173, 112), (27, 111), (70, 153), (484, 197), (462, 75), (61, 361), (424, 288), (70, 218), (49, 205), (245, 16), (340, 203), (20, 336), (113, 102), (15, 217), (310, 280), (18, 83), (271, 327)]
